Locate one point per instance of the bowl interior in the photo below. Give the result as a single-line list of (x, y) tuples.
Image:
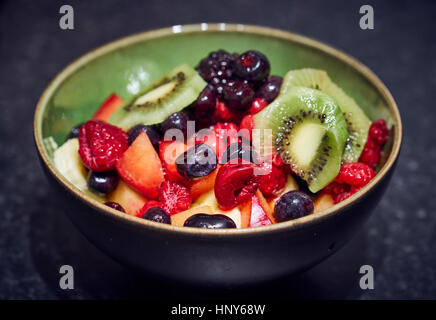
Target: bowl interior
[(128, 65)]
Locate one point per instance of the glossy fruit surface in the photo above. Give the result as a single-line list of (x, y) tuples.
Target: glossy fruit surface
[(197, 162), (238, 94), (115, 205), (157, 214), (102, 182), (213, 221), (178, 120), (205, 105), (270, 89), (257, 105), (293, 205), (252, 66), (235, 184)]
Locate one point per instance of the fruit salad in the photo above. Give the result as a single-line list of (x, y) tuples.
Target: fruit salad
[(226, 145)]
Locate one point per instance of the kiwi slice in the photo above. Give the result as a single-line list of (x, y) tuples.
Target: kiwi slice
[(308, 131), (357, 122), (177, 89)]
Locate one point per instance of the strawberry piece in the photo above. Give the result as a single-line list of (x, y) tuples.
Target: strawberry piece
[(101, 145), (168, 152), (141, 168), (150, 204), (246, 126), (109, 106), (257, 105), (259, 217), (355, 174), (175, 197)]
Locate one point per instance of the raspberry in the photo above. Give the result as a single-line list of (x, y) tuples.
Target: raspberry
[(257, 105), (273, 183), (335, 188), (378, 132), (101, 145), (227, 132), (148, 205), (246, 127), (342, 196), (175, 197), (224, 114), (355, 174), (370, 154)]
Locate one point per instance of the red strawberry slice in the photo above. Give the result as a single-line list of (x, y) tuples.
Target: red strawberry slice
[(109, 106), (140, 167), (259, 216), (101, 145), (168, 152)]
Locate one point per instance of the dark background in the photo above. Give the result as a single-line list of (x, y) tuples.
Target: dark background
[(36, 238)]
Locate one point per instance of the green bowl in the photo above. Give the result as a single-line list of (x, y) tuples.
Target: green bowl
[(206, 256)]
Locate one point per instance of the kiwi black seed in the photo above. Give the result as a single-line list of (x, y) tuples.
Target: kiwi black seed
[(178, 80), (282, 140), (357, 121)]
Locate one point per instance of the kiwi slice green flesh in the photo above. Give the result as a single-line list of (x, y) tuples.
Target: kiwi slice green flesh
[(177, 89), (357, 122), (308, 131)]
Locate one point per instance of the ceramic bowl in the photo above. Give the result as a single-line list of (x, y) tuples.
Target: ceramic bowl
[(203, 256)]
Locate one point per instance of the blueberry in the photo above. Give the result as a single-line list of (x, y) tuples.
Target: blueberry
[(151, 131), (157, 214), (205, 104), (209, 221), (115, 205), (74, 133), (218, 65), (252, 66), (270, 89), (239, 150), (102, 182), (178, 120), (198, 161), (238, 94), (292, 205)]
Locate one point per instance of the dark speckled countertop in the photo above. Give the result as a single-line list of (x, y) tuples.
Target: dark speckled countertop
[(399, 239)]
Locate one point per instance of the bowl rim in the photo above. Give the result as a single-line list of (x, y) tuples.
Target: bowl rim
[(296, 224)]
